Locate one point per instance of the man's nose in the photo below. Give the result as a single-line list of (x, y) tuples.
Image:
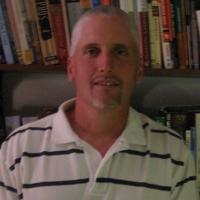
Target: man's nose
[(106, 63)]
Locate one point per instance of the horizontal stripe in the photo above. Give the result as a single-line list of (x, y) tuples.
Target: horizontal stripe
[(56, 183), (9, 188), (166, 131), (162, 131), (133, 183), (29, 128), (191, 178), (44, 153), (153, 155)]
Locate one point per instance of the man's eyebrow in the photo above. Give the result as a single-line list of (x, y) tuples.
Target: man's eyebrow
[(90, 45)]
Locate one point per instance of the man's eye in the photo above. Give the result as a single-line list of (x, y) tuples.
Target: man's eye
[(92, 51), (121, 52)]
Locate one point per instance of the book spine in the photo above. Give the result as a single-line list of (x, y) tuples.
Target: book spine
[(66, 23), (197, 12), (154, 34), (14, 30), (74, 11), (113, 3), (95, 3), (18, 10), (166, 33), (195, 38), (58, 29), (46, 37), (143, 26), (33, 31), (107, 2), (123, 5), (85, 5), (5, 35), (182, 36)]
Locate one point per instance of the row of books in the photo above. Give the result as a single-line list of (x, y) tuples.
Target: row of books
[(38, 31), (168, 33), (186, 121)]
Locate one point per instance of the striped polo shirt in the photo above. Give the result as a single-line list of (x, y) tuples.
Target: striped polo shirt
[(46, 160)]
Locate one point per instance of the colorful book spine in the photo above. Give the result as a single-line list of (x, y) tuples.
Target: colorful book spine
[(5, 35), (85, 5), (107, 2), (166, 33), (58, 29), (47, 40), (95, 3)]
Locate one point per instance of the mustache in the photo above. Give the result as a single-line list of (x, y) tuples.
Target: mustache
[(106, 78)]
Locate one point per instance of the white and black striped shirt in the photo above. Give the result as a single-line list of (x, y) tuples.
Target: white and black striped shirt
[(45, 160)]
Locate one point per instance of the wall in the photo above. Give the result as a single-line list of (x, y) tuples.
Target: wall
[(31, 93)]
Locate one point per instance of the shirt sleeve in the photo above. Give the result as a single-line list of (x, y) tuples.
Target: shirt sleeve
[(8, 189), (184, 180)]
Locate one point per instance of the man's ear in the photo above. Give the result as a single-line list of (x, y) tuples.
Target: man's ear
[(70, 69)]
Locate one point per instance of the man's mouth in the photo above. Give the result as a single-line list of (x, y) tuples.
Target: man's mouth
[(106, 81)]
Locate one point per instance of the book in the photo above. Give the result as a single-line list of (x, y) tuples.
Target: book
[(166, 33), (95, 3), (23, 31), (47, 39), (143, 30), (85, 5), (31, 22), (195, 38), (197, 12), (74, 11), (58, 28), (5, 35), (109, 2), (14, 30), (154, 33), (66, 23)]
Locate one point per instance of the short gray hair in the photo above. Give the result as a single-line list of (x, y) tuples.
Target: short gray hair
[(107, 10)]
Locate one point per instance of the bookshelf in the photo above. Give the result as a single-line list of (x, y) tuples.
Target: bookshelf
[(31, 68), (190, 73)]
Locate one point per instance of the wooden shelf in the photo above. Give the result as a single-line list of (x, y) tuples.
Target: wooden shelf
[(31, 68), (173, 72), (61, 68)]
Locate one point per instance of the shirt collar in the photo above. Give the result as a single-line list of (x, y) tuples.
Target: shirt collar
[(134, 132), (63, 132)]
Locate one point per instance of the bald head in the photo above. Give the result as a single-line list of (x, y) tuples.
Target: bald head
[(109, 12)]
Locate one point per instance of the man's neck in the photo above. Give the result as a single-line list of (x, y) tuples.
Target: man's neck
[(100, 128)]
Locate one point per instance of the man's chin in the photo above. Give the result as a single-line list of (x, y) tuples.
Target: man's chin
[(105, 105)]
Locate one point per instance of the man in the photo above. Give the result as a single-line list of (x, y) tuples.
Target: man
[(96, 147)]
